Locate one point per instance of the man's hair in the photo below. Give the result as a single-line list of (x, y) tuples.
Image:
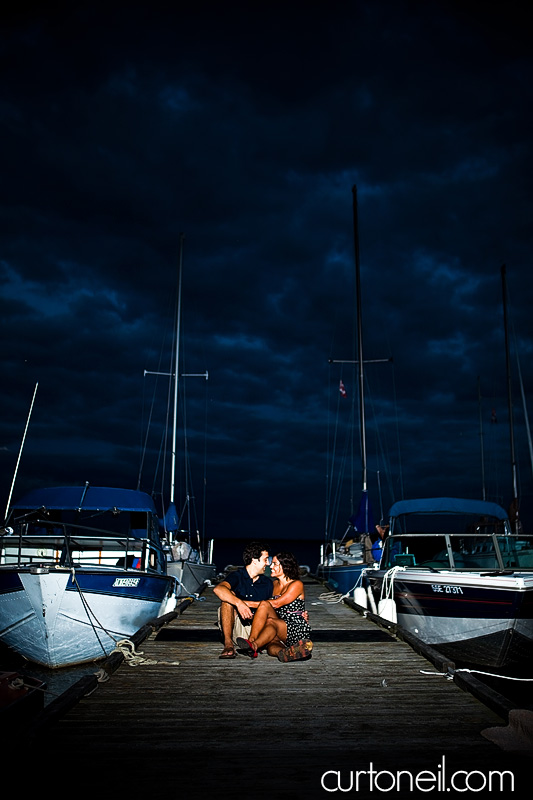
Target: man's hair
[(253, 550), (289, 565)]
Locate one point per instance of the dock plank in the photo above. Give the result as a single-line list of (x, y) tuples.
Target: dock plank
[(206, 725)]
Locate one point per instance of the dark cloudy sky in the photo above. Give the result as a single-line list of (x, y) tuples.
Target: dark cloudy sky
[(245, 126)]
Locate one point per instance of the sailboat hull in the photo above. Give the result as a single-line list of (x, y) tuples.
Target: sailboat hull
[(58, 617), (341, 578)]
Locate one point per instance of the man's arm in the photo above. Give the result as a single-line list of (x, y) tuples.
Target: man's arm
[(224, 593)]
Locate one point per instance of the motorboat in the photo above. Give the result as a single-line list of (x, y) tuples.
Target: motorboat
[(81, 568), (455, 575)]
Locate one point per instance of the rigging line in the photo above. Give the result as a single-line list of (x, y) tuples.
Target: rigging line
[(337, 496), (90, 613), (395, 397), (144, 447), (400, 469), (521, 382), (381, 450), (331, 465), (347, 456), (160, 469), (336, 476), (162, 348)]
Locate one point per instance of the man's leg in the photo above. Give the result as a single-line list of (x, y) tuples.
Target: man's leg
[(226, 620)]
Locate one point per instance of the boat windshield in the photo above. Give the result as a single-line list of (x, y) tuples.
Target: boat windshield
[(466, 551), (58, 522)]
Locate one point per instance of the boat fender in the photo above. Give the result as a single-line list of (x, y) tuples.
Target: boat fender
[(387, 610), (359, 596), (181, 551), (168, 605)]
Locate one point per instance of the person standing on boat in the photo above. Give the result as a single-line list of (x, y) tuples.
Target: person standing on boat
[(373, 545), (240, 594)]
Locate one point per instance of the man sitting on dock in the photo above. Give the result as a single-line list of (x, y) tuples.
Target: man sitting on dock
[(240, 593)]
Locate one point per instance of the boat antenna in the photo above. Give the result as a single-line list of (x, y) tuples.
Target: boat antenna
[(20, 450), (514, 503)]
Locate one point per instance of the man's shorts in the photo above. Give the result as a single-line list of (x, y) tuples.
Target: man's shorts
[(241, 627)]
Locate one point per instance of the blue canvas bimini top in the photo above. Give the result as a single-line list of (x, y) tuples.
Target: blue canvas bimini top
[(447, 505), (94, 498)]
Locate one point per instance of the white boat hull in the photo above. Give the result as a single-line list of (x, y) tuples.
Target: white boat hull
[(471, 617), (190, 576), (58, 618)]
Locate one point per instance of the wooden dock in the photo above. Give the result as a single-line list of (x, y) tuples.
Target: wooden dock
[(163, 729)]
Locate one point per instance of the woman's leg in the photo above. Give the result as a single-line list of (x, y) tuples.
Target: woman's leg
[(263, 614), (274, 648), (275, 630)]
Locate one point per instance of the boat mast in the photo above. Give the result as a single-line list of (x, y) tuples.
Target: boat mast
[(514, 503), (359, 339), (176, 376)]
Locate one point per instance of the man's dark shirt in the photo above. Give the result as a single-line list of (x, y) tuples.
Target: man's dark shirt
[(246, 589)]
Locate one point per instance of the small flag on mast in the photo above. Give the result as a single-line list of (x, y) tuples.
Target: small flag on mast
[(342, 389)]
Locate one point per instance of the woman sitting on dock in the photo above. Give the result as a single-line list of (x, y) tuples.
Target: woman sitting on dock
[(281, 624)]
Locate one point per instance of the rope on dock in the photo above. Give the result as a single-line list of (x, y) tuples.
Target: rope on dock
[(451, 673), (134, 658), (492, 675), (332, 597)]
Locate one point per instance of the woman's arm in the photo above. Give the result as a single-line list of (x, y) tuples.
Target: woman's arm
[(294, 590)]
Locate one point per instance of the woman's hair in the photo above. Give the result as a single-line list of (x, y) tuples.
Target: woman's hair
[(289, 565)]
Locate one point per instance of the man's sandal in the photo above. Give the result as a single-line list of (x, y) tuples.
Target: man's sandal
[(228, 652)]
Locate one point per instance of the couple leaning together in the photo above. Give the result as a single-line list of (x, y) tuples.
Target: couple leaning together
[(258, 612)]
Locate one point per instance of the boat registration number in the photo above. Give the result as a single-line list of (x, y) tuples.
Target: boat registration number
[(438, 587), (129, 582)]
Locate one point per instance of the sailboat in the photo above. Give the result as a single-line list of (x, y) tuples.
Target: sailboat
[(342, 562), (186, 562)]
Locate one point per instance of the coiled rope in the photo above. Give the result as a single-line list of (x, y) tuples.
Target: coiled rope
[(134, 658), (331, 597)]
